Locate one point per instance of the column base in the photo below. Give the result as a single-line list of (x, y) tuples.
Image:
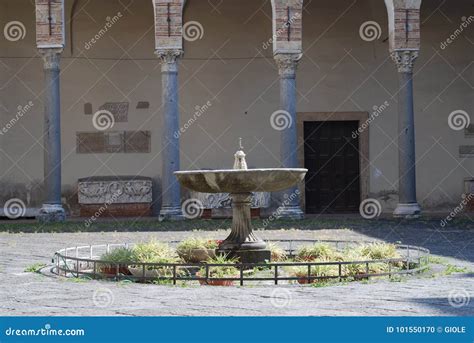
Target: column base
[(408, 211), (51, 213), (171, 214), (290, 212)]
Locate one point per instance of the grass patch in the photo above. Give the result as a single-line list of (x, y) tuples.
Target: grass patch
[(34, 268), (152, 224), (452, 269)]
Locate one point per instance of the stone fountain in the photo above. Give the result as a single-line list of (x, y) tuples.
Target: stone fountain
[(240, 182)]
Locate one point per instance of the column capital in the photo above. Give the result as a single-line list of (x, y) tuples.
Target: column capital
[(404, 59), (287, 64), (169, 59), (51, 58)]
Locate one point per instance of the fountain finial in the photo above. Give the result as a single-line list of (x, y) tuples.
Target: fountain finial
[(240, 162)]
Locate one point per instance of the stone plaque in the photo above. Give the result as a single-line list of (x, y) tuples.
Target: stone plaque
[(90, 142), (50, 23), (113, 142), (466, 151), (118, 109), (115, 190), (137, 141), (469, 185), (469, 131)]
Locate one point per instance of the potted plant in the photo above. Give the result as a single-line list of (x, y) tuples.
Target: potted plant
[(278, 254), (301, 272), (195, 250), (216, 272), (117, 258), (318, 251), (153, 252)]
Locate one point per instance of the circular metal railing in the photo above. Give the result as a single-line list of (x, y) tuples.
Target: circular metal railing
[(84, 261)]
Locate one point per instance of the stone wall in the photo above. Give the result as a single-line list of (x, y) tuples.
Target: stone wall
[(232, 68)]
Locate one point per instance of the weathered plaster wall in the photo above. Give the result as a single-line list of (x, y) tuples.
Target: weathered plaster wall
[(231, 68)]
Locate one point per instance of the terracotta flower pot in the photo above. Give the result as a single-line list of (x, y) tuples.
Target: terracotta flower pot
[(211, 282), (303, 280), (112, 270)]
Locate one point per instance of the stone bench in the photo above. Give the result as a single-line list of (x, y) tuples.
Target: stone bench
[(115, 196)]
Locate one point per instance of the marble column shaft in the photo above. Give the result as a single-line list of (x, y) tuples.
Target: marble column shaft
[(52, 209), (171, 194), (287, 65), (407, 206)]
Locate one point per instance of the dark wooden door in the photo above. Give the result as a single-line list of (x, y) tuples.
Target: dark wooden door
[(331, 156)]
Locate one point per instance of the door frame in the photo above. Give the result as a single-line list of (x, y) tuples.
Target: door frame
[(364, 161)]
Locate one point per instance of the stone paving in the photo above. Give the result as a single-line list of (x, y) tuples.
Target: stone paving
[(23, 293)]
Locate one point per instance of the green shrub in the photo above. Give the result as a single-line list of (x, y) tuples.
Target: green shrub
[(153, 252), (220, 272)]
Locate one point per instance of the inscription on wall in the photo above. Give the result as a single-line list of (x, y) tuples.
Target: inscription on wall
[(118, 109), (113, 142), (466, 151)]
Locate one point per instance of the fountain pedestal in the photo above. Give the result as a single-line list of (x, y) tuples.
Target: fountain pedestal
[(242, 241), (240, 182)]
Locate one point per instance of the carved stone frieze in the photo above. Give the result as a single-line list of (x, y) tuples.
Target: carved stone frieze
[(123, 190)]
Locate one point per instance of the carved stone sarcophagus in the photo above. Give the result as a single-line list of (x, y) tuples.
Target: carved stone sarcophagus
[(117, 196)]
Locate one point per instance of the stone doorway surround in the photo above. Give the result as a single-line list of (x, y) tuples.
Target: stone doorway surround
[(361, 117)]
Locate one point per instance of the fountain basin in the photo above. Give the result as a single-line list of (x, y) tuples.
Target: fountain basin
[(241, 180)]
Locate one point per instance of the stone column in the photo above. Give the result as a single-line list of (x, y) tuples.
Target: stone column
[(171, 194), (52, 210), (287, 64), (407, 203)]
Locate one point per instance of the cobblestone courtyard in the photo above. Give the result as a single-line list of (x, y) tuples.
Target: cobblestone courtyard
[(25, 293)]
